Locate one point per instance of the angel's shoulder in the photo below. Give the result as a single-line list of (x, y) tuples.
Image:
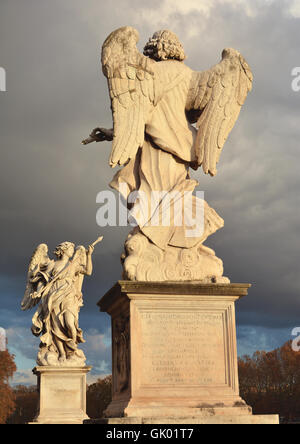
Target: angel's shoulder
[(173, 66), (173, 71)]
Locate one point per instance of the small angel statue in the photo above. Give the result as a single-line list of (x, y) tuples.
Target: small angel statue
[(56, 287)]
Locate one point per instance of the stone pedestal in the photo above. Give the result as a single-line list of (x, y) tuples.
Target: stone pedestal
[(174, 353), (62, 392)]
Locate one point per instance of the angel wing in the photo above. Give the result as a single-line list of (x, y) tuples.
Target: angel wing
[(80, 261), (218, 95), (133, 91), (39, 257)]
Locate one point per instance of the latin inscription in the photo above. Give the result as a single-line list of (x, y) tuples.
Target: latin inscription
[(183, 348), (63, 392)]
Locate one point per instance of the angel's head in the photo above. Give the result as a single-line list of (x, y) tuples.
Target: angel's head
[(65, 249), (164, 45)]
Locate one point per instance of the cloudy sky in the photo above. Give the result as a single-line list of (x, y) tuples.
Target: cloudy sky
[(56, 94)]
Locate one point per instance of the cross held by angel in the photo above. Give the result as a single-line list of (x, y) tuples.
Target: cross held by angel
[(167, 119), (54, 286)]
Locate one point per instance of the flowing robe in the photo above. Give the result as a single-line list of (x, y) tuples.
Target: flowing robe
[(162, 165), (63, 295)]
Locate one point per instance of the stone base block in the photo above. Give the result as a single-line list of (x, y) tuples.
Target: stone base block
[(174, 353), (211, 419), (62, 393)]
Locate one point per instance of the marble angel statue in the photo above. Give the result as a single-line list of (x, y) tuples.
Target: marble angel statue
[(167, 119), (54, 286)]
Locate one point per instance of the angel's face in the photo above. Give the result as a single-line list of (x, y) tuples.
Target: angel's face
[(64, 250)]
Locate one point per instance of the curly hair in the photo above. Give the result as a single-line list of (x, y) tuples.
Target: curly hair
[(63, 247), (164, 45)]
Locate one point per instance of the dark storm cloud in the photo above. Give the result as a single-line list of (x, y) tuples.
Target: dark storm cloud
[(56, 94)]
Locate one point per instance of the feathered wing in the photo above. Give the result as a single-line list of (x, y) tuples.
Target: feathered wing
[(131, 81), (39, 257), (79, 260), (218, 95)]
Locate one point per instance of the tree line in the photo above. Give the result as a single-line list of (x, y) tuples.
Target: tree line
[(270, 382)]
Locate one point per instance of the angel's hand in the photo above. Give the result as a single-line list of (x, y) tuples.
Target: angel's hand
[(99, 135), (90, 250)]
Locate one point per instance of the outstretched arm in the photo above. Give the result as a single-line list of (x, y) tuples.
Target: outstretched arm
[(89, 263), (99, 135)]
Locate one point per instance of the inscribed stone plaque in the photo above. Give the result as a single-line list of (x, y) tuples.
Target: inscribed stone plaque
[(63, 392), (183, 348)]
